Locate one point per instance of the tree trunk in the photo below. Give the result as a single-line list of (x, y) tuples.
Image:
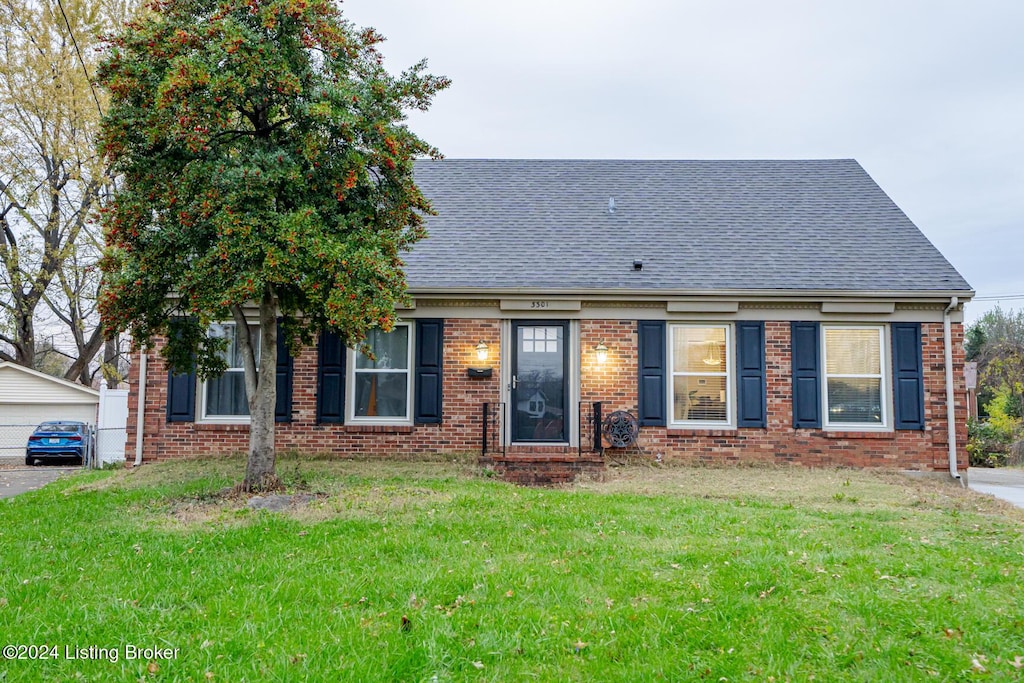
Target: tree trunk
[(87, 350), (25, 340), (261, 391), (111, 367)]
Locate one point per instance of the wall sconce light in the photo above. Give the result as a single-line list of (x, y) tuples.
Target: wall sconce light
[(601, 351), (481, 356)]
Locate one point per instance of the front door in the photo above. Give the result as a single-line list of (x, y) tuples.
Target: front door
[(539, 398)]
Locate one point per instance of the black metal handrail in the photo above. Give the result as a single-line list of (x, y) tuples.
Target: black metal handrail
[(492, 411), (597, 445)]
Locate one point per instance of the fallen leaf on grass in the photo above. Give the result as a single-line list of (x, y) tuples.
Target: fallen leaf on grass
[(954, 633), (478, 665)]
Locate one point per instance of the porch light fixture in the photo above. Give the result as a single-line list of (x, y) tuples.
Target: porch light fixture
[(481, 351), (601, 351)]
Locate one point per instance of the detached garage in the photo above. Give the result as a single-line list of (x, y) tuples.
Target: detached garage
[(28, 397)]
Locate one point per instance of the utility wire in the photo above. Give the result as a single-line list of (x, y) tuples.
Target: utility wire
[(81, 61), (999, 298)]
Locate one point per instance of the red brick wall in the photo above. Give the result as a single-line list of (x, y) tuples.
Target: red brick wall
[(460, 430), (780, 442), (614, 383)]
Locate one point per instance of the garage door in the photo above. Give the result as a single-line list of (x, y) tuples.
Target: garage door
[(17, 422)]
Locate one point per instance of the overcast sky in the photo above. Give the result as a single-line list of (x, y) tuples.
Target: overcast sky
[(928, 95)]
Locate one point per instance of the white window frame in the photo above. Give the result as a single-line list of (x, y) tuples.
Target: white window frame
[(729, 373), (884, 388), (224, 419), (350, 386)]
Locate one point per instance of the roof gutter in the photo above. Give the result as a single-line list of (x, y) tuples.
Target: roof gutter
[(140, 410), (947, 338), (795, 294)]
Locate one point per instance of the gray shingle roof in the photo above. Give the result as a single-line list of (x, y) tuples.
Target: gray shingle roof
[(696, 225)]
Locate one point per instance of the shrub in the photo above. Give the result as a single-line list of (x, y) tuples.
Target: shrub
[(987, 445), (997, 441)]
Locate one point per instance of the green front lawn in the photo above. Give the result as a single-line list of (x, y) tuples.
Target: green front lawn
[(416, 571)]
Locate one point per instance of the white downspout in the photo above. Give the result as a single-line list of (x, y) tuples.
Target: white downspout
[(950, 395), (140, 410)]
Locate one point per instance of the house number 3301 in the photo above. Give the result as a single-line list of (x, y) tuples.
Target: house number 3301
[(539, 304)]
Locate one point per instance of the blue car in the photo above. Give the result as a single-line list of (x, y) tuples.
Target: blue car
[(62, 440)]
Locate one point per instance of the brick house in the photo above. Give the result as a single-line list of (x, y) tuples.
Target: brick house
[(762, 311)]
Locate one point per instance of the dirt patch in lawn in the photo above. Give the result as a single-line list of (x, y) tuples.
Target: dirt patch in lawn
[(193, 490), (229, 508)]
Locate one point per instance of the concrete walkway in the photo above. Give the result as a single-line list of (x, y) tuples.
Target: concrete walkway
[(13, 482), (1004, 483)]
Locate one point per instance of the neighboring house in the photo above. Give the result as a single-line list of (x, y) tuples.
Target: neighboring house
[(770, 311), (29, 397)]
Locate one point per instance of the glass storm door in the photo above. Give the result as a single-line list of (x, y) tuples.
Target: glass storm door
[(539, 381)]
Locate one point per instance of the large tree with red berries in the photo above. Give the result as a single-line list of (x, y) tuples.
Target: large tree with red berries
[(265, 172)]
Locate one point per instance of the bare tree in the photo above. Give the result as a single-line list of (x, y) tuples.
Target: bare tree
[(52, 182)]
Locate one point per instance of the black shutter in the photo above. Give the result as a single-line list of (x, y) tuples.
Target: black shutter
[(330, 379), (283, 407), (806, 375), (181, 397), (181, 393), (908, 375), (427, 381), (752, 401), (652, 396)]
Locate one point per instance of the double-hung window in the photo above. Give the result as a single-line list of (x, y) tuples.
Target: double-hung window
[(379, 388), (855, 370), (701, 389), (224, 397)]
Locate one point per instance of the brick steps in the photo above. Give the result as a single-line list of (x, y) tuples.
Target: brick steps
[(547, 466)]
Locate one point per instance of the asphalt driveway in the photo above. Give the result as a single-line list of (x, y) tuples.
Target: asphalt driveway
[(1004, 483), (13, 482)]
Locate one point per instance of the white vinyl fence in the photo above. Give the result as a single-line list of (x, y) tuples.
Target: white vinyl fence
[(111, 428)]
